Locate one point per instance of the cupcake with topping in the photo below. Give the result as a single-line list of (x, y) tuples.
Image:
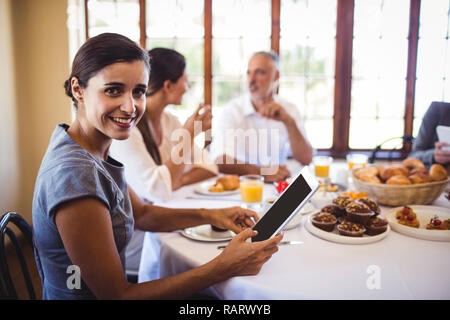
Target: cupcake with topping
[(351, 229), (334, 210), (376, 225), (371, 204), (342, 201), (324, 221), (358, 212)]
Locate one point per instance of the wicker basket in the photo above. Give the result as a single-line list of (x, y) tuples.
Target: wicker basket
[(402, 195)]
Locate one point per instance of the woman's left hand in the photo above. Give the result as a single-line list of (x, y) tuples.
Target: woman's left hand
[(235, 219)]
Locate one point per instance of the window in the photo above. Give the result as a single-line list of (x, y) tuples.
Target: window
[(380, 54), (349, 65), (433, 61)]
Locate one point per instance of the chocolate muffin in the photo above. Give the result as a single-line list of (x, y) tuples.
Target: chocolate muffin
[(351, 229), (358, 212), (324, 221), (334, 210), (371, 204), (376, 225), (342, 201)]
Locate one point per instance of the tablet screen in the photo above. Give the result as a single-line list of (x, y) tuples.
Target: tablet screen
[(282, 209)]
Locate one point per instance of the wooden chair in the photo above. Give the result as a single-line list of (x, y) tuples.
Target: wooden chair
[(7, 287)]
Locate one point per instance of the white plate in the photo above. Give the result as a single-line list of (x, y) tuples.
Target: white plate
[(206, 233), (424, 214), (334, 235), (203, 188), (296, 220)]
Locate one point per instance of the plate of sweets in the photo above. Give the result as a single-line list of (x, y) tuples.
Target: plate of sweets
[(422, 222), (222, 186), (349, 221)]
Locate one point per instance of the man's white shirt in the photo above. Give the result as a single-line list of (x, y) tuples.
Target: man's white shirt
[(242, 133)]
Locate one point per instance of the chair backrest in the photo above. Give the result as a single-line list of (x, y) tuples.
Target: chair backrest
[(6, 283)]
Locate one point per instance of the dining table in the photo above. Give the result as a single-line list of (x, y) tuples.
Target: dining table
[(397, 266)]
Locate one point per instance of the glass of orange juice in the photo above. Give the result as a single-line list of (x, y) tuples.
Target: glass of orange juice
[(251, 186), (322, 166), (356, 160)]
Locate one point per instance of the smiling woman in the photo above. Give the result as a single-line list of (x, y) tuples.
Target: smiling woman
[(84, 213)]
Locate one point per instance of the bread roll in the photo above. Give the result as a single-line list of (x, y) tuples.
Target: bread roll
[(368, 178), (393, 170), (398, 179), (366, 171), (411, 163), (419, 171), (438, 172), (419, 178), (229, 182)]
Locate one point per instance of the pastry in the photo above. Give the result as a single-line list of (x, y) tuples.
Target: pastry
[(334, 210), (371, 204), (358, 212), (376, 226), (411, 163), (438, 172), (229, 182), (342, 201), (398, 180), (354, 195), (420, 178), (217, 187), (367, 171), (406, 216), (419, 170), (393, 170), (324, 221), (351, 229), (371, 179), (437, 224)]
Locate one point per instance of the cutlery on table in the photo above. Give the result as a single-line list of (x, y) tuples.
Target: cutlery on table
[(280, 244)]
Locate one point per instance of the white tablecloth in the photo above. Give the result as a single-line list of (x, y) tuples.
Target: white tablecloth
[(397, 267)]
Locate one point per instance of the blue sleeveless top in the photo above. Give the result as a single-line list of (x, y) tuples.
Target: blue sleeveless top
[(68, 172)]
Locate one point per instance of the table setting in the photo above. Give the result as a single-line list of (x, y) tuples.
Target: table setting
[(397, 262)]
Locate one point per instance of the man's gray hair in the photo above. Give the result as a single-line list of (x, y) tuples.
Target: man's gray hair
[(270, 54)]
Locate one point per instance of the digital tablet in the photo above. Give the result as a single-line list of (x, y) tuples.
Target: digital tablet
[(443, 133), (294, 197)]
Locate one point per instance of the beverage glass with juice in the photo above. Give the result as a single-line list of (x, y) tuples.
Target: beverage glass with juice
[(251, 187)]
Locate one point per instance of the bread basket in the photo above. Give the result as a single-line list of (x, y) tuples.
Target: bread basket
[(401, 195)]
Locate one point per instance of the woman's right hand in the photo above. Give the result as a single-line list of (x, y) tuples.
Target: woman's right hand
[(204, 115), (241, 258)]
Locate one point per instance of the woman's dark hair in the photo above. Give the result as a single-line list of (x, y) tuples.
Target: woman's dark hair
[(99, 52), (166, 64)]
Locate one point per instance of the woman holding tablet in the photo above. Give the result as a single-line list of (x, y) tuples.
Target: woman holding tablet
[(83, 210)]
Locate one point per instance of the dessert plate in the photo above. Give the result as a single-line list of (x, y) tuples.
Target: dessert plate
[(206, 233), (334, 235), (203, 188), (424, 214)]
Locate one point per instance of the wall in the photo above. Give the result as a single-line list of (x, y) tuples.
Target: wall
[(38, 40), (9, 153)]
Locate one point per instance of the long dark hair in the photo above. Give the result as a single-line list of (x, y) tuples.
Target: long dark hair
[(166, 64), (99, 52)]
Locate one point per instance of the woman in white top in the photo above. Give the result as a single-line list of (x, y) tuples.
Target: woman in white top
[(154, 167), (155, 162)]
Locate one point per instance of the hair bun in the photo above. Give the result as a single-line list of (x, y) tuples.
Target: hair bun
[(68, 88)]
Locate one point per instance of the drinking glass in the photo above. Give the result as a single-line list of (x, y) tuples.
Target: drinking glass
[(252, 191), (322, 166), (356, 160)]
